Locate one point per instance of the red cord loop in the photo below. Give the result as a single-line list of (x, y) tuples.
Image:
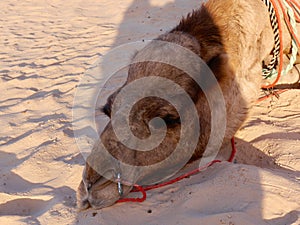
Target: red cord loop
[(137, 189), (143, 190)]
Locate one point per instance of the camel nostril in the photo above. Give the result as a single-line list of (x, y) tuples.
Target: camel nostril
[(85, 204)]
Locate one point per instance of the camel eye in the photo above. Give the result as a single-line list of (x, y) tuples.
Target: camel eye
[(169, 120)]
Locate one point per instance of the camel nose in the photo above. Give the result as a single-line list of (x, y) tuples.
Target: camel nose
[(86, 203)]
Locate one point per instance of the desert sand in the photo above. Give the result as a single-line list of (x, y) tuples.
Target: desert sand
[(46, 48)]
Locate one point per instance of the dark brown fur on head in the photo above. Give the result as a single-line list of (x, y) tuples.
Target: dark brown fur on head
[(143, 111)]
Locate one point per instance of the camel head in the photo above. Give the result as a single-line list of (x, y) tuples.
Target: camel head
[(159, 104)]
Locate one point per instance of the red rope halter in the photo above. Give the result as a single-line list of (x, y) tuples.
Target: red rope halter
[(186, 175)]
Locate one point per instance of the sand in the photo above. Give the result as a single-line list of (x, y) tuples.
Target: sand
[(46, 48)]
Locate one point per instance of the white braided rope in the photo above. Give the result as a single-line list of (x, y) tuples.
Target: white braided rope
[(276, 51)]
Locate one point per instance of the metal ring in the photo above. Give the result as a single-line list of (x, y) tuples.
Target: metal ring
[(120, 186)]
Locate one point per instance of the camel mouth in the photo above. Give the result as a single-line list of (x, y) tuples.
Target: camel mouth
[(101, 203), (98, 196), (84, 204), (103, 193), (91, 202)]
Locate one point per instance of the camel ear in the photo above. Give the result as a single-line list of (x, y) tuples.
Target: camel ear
[(220, 65)]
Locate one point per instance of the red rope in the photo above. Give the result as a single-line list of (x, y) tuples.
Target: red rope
[(275, 93), (181, 177), (137, 188), (186, 175)]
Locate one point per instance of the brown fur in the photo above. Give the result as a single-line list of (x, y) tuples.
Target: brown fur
[(233, 37)]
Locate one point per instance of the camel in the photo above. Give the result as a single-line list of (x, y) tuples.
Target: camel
[(233, 38)]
